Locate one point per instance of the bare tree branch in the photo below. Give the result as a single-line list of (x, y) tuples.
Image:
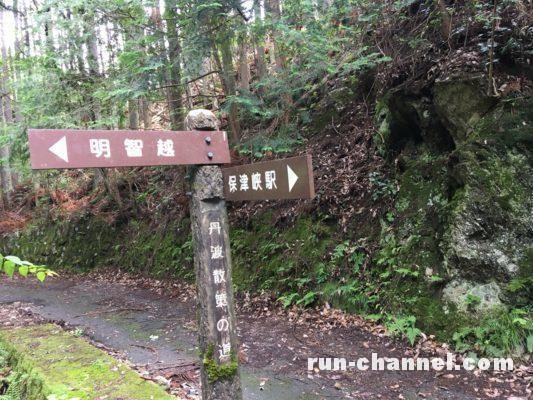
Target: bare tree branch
[(188, 82)]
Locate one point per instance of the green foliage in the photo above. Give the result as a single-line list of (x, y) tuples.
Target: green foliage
[(289, 299), (12, 264), (338, 280), (306, 300), (389, 254), (436, 279), (267, 258), (14, 385), (498, 333), (250, 107), (404, 327), (349, 287), (520, 284), (364, 59), (326, 47), (382, 187), (520, 289), (284, 142)]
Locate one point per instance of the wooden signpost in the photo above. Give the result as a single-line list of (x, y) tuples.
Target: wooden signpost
[(70, 148), (291, 178), (206, 148), (217, 324)]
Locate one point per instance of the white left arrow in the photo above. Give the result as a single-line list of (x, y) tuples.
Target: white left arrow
[(292, 177), (60, 149)]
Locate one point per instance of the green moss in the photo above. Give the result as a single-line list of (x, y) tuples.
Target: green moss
[(83, 242), (218, 372), (394, 119), (72, 368)]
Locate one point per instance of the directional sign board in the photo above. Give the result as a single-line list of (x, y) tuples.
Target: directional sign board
[(291, 178), (52, 148)]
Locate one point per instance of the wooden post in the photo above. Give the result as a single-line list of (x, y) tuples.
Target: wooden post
[(212, 260)]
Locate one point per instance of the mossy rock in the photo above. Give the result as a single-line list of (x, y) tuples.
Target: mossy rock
[(464, 208), (406, 122), (492, 225), (461, 105), (492, 215)]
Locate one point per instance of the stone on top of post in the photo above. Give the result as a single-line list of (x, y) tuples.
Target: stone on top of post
[(201, 120)]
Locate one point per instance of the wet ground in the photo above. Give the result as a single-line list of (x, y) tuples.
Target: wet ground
[(156, 333)]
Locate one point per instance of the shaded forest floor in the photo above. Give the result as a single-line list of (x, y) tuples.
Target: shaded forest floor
[(151, 325)]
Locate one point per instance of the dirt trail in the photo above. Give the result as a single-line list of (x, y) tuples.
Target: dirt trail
[(157, 333)]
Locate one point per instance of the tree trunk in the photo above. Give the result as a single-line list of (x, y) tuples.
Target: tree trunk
[(48, 32), (17, 45), (145, 112), (133, 114), (244, 66), (5, 175), (175, 89), (260, 65), (7, 118), (111, 40), (446, 27), (26, 30), (273, 13), (228, 74), (92, 49)]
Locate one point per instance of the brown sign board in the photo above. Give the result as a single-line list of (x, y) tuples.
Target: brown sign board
[(290, 178), (70, 148)]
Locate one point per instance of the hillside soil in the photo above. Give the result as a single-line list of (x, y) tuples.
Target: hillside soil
[(151, 325)]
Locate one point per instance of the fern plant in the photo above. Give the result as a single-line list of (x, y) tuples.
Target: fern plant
[(404, 327), (15, 387), (17, 380)]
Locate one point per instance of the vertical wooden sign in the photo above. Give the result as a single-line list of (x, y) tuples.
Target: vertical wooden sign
[(212, 260)]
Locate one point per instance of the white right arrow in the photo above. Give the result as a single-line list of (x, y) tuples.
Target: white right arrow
[(60, 149), (292, 177)]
